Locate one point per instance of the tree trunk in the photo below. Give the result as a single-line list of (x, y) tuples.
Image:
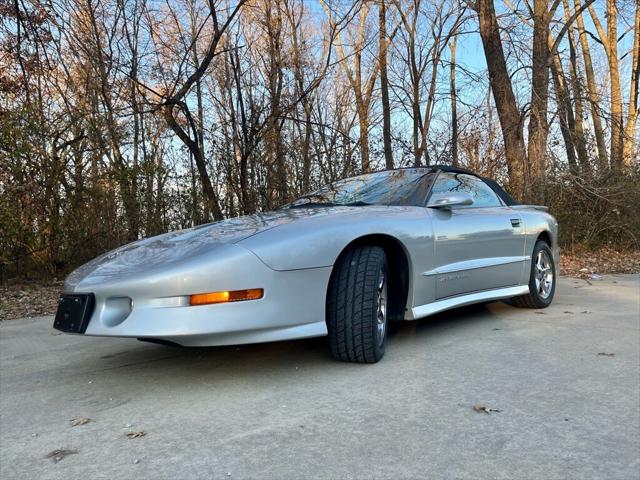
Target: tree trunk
[(609, 41), (415, 99), (454, 102), (363, 122), (276, 174), (384, 86), (510, 119), (592, 93), (538, 124), (630, 135), (576, 86), (565, 112)]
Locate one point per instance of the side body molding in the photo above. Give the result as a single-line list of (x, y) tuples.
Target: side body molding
[(475, 263)]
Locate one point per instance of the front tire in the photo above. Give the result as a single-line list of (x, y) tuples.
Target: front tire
[(357, 305), (542, 279)]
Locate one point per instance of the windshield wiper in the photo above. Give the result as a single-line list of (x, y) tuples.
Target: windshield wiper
[(356, 204), (329, 204), (312, 204)]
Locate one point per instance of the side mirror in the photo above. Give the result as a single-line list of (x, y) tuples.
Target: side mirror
[(450, 199)]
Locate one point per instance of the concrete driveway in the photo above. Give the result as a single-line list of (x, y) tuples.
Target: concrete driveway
[(566, 382)]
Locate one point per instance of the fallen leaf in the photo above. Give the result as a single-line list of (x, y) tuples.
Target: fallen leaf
[(135, 434), (484, 409), (75, 422), (59, 454), (604, 354)]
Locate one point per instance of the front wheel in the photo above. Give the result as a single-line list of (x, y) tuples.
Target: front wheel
[(542, 279), (357, 305)]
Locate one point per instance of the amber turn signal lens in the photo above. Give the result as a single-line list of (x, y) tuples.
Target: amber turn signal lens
[(225, 297)]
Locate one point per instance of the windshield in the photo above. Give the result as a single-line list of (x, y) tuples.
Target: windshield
[(392, 187)]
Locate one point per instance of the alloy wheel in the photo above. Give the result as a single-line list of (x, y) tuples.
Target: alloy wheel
[(382, 307), (543, 274)]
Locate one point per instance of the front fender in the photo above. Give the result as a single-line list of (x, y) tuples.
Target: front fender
[(318, 241)]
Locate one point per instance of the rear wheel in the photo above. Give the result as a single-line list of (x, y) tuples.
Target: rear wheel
[(542, 279), (357, 305)]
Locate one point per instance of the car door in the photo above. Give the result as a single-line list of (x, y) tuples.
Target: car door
[(476, 247)]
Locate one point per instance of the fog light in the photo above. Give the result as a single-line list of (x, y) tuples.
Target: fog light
[(226, 297)]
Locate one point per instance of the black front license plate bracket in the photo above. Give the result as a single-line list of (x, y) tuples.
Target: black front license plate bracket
[(74, 312)]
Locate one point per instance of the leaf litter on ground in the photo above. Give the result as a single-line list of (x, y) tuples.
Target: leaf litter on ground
[(135, 434), (591, 265)]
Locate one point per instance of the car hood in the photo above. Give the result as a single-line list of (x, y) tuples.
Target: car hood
[(165, 250)]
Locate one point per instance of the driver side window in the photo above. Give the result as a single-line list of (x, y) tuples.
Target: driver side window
[(482, 194)]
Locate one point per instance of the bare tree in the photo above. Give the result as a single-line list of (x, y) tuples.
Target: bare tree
[(421, 55), (173, 102), (454, 101), (630, 133), (609, 41), (361, 81), (384, 84), (511, 121), (592, 93)]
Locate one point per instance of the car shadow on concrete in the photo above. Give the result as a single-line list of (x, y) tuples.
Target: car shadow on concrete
[(307, 354)]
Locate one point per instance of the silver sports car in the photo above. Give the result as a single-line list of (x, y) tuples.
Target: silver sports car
[(344, 261)]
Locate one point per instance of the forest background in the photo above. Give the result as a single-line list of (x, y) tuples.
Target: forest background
[(121, 119)]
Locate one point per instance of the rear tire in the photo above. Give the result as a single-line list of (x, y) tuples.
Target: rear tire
[(357, 305), (542, 279)]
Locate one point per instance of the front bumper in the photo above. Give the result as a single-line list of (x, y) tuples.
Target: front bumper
[(155, 305)]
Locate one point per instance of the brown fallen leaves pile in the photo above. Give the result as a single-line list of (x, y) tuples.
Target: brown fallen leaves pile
[(582, 263), (19, 301)]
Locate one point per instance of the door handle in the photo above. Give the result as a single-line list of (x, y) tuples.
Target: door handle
[(515, 222)]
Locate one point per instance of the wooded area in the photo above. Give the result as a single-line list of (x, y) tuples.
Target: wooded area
[(121, 119)]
